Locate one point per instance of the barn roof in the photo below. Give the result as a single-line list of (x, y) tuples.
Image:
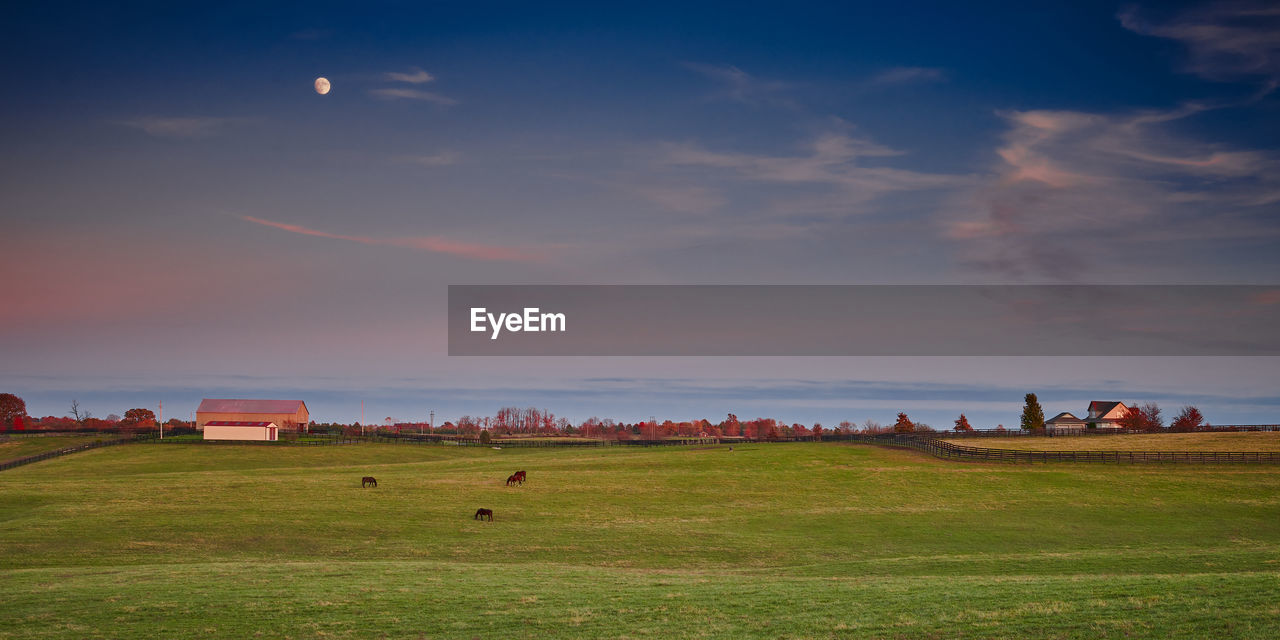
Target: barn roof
[(237, 423), (250, 406), (1064, 417)]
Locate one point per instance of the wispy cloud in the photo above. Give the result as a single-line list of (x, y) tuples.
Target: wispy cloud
[(1226, 41), (908, 75), (415, 76), (183, 127), (737, 85), (435, 244), (836, 160), (1074, 189), (680, 198), (394, 93), (440, 159)]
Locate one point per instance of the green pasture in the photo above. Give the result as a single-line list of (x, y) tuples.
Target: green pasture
[(796, 540), (24, 445), (1206, 441)]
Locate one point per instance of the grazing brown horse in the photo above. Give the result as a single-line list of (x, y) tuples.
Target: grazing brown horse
[(368, 480), (520, 476), (481, 514), (513, 479)]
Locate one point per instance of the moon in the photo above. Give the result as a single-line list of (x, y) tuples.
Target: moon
[(322, 85)]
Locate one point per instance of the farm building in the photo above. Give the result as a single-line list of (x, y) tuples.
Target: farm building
[(1064, 423), (233, 430), (290, 415), (1106, 415), (1102, 415)]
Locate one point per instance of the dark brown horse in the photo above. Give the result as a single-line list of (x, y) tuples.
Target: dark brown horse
[(513, 479), (481, 514), (520, 476), (368, 480)]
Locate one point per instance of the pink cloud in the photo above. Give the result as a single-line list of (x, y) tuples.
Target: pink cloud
[(436, 244), (1269, 297)]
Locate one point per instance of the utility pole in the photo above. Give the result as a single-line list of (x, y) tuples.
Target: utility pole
[(160, 420), (432, 424), (362, 417)]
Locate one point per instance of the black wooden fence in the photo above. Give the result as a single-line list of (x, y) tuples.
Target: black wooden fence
[(67, 450), (930, 443), (952, 451)]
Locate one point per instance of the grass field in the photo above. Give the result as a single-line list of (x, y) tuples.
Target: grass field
[(1227, 441), (22, 447), (785, 540)]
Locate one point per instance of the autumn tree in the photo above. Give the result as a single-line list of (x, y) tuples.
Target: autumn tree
[(1032, 413), (817, 431), (12, 409), (1142, 418), (138, 418), (468, 425), (1131, 420), (962, 424), (904, 424), (1151, 417), (731, 426), (1189, 419)]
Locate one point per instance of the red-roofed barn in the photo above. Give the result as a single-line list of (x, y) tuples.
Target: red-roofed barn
[(290, 415)]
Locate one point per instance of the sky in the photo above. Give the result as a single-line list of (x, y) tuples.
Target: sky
[(185, 217)]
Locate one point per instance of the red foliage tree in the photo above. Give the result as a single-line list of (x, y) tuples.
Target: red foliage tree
[(1142, 418), (138, 418), (904, 424), (731, 426), (962, 424), (1190, 419), (12, 409)]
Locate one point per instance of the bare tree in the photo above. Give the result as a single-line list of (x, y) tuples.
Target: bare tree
[(79, 414)]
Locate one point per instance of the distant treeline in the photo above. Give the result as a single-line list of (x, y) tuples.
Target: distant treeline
[(532, 421)]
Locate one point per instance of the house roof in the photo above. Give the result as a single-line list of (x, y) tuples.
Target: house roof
[(1101, 408), (237, 423), (215, 405), (1065, 416)]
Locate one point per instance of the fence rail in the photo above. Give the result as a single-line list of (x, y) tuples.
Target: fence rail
[(928, 443), (18, 462), (951, 451)]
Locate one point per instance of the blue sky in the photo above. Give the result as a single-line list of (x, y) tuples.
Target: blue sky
[(187, 214)]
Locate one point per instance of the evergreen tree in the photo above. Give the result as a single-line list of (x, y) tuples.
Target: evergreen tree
[(1032, 414)]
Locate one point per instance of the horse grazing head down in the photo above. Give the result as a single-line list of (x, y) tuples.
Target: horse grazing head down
[(481, 514), (513, 479), (520, 476), (367, 481)]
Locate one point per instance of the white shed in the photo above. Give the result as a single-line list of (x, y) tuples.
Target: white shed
[(235, 430)]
